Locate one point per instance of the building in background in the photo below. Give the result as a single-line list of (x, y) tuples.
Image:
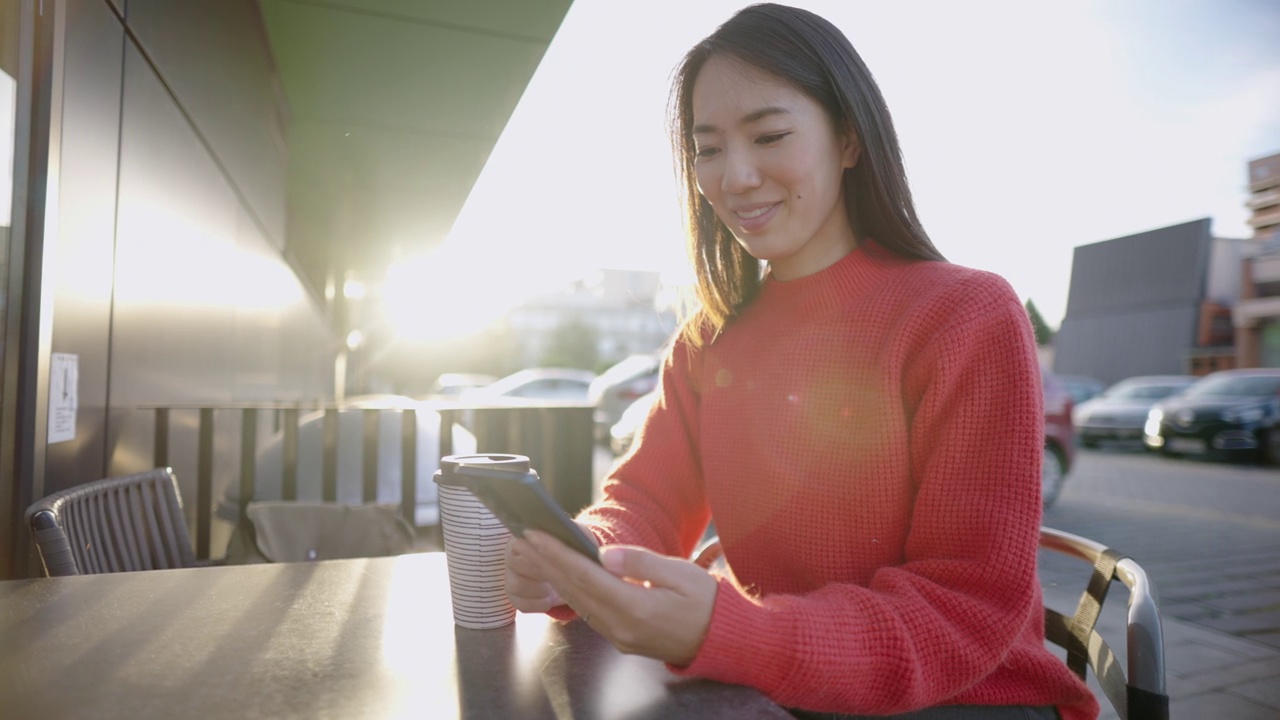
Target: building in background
[(1178, 300), (1264, 197), (1257, 317), (1150, 303), (622, 312)]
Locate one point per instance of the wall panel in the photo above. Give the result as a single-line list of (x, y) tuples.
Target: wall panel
[(206, 310), (213, 54), (81, 272)]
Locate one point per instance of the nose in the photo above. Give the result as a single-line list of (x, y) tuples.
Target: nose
[(740, 173)]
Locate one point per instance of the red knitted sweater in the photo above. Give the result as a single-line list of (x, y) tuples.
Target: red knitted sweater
[(868, 440)]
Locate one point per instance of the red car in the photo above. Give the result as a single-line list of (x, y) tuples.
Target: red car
[(1059, 436)]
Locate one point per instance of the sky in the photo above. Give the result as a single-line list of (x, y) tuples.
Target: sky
[(1027, 128)]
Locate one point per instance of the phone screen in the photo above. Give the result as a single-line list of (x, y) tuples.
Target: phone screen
[(521, 502)]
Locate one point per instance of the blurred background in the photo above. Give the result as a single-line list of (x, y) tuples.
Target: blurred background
[(219, 206)]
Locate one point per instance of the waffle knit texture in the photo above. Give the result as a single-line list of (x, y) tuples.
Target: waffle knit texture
[(868, 440)]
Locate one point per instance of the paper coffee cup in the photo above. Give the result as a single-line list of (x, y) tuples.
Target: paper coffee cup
[(475, 546)]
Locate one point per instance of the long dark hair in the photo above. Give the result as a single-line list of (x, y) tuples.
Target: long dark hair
[(819, 61)]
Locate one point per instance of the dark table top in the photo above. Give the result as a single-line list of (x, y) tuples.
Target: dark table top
[(366, 638)]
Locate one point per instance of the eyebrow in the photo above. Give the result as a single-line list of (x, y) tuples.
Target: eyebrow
[(746, 119)]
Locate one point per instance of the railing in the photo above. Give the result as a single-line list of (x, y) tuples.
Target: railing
[(557, 437)]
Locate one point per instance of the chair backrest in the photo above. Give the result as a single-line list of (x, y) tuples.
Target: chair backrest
[(113, 525), (1140, 693)]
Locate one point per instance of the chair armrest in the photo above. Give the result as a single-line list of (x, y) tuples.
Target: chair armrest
[(709, 553)]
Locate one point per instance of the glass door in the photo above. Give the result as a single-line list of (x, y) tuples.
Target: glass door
[(9, 26)]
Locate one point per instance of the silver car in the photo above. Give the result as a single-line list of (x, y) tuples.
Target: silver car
[(619, 386), (1121, 412)]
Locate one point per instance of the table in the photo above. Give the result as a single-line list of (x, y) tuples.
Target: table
[(363, 638)]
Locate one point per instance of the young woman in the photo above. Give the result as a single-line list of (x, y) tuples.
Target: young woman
[(862, 420)]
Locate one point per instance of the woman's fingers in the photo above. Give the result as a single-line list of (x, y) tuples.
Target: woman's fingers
[(643, 602), (527, 590)]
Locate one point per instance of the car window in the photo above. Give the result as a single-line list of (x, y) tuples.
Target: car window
[(1236, 386), (1144, 392), (535, 389), (552, 389)]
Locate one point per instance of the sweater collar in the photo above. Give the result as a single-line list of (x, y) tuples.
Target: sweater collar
[(863, 270)]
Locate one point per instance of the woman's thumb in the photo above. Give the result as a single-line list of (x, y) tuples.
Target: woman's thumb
[(637, 563)]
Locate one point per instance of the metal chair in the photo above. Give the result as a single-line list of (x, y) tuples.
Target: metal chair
[(1142, 696), (116, 524), (1139, 694)]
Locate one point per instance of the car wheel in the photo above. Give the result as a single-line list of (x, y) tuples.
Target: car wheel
[(1269, 447), (1053, 473)]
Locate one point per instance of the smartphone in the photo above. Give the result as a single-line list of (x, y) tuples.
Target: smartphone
[(520, 501)]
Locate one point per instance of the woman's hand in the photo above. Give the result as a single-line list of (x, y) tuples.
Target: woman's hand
[(644, 603), (527, 589)]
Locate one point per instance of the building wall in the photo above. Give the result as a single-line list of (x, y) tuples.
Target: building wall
[(170, 284), (621, 306), (1264, 196), (1135, 303)]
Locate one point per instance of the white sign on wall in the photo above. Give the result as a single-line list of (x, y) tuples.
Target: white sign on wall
[(64, 383)]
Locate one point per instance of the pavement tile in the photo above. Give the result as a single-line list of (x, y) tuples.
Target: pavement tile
[(1244, 623), (1265, 692), (1267, 638), (1189, 612), (1221, 706), (1195, 658), (1179, 633), (1184, 593), (1188, 687), (1245, 601)]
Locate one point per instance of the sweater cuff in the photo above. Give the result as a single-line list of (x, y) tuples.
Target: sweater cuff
[(746, 644), (563, 613)]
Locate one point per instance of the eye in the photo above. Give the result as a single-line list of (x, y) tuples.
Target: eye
[(771, 138), (706, 152)]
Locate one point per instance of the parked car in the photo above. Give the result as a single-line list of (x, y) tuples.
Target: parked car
[(1120, 413), (1059, 437), (1230, 412), (619, 386), (452, 384), (567, 384), (1081, 387), (623, 432), (1059, 442)]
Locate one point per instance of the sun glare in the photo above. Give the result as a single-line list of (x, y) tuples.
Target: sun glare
[(451, 293)]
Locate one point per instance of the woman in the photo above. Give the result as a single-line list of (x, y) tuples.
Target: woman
[(862, 420)]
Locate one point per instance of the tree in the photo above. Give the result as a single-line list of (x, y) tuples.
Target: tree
[(573, 344), (1044, 334)]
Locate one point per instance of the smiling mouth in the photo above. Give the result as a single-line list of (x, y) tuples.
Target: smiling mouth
[(752, 214)]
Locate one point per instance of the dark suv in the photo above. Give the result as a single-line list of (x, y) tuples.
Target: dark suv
[(1231, 412)]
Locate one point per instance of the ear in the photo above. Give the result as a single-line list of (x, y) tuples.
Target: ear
[(852, 149)]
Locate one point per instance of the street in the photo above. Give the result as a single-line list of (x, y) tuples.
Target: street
[(1207, 533)]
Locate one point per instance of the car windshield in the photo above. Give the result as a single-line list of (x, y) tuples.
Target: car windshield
[(1143, 392), (1236, 386)]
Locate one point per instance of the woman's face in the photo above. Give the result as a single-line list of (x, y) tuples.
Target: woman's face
[(771, 164)]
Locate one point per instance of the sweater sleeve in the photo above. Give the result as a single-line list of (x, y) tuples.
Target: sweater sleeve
[(923, 631), (653, 496)]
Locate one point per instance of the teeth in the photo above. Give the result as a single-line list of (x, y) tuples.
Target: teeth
[(755, 213)]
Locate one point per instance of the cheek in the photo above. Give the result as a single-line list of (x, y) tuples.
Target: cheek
[(706, 183)]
